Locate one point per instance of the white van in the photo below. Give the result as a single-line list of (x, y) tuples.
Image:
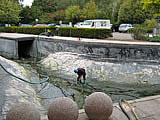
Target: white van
[(97, 23)]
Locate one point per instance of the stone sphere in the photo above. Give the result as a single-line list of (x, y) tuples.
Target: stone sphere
[(63, 108), (23, 111), (98, 106)]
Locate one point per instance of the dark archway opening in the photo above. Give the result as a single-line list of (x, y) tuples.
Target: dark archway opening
[(24, 48)]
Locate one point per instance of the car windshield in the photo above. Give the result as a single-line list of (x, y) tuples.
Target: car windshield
[(123, 25)]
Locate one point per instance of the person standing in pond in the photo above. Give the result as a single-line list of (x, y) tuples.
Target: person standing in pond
[(81, 72)]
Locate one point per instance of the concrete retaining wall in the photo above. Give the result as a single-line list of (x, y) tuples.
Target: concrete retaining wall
[(43, 46), (8, 48), (99, 50)]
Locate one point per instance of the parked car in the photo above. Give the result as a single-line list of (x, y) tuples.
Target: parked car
[(63, 25), (52, 24), (125, 27), (40, 25), (79, 24), (5, 25), (115, 28), (25, 25), (96, 23)]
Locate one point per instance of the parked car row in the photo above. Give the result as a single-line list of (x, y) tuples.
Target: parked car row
[(101, 23), (98, 23), (44, 25)]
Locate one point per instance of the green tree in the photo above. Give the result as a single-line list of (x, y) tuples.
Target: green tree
[(64, 4), (73, 14), (152, 5), (131, 12), (46, 6), (107, 7), (9, 11), (91, 10), (47, 18), (28, 15), (115, 10), (54, 17)]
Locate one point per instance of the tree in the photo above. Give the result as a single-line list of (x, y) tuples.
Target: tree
[(73, 14), (153, 5), (91, 10), (108, 8), (46, 6), (28, 15), (54, 17), (9, 11), (131, 12)]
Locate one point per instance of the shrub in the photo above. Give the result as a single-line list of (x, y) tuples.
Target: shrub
[(62, 31), (26, 30), (154, 39), (85, 32), (138, 32)]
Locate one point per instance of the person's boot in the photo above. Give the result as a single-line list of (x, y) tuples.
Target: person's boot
[(84, 83)]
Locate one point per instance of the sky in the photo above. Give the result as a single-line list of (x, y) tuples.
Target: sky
[(27, 2)]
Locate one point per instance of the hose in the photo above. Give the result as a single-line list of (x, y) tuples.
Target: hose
[(131, 110), (44, 76), (123, 110)]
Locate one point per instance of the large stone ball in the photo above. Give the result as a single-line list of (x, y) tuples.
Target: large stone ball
[(63, 108), (23, 111), (98, 106)]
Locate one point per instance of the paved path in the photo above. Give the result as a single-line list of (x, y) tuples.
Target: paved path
[(122, 36), (146, 109)]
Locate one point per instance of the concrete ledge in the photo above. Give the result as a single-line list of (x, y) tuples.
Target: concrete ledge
[(147, 108)]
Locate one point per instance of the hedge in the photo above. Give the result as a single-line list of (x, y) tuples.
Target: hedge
[(26, 30), (62, 31), (85, 32)]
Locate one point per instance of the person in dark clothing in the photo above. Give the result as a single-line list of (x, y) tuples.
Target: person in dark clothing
[(81, 72), (49, 33)]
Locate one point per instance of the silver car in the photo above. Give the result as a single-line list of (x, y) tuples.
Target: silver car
[(125, 27)]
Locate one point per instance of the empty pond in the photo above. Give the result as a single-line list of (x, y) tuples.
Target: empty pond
[(118, 79)]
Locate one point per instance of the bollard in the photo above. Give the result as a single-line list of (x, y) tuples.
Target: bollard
[(23, 111), (63, 108), (98, 106)]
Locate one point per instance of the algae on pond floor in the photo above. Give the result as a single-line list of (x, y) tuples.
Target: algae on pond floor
[(116, 90)]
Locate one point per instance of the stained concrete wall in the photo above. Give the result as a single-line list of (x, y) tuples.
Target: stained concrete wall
[(99, 50), (9, 48), (43, 46)]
